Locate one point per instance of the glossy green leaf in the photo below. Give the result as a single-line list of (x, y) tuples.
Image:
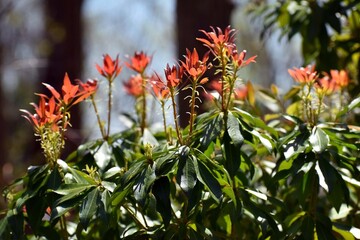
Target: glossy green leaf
[(102, 155), (353, 104), (143, 183), (81, 177), (207, 178), (186, 174), (254, 121), (264, 139), (119, 195), (211, 130), (234, 131), (89, 207), (165, 164), (232, 155), (63, 206), (73, 189), (134, 171), (161, 191), (338, 190), (318, 139), (258, 211)]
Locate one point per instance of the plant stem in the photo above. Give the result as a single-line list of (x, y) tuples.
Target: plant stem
[(132, 214), (231, 88), (177, 128), (164, 119), (223, 73), (109, 108), (192, 109), (63, 228), (101, 126), (143, 110)]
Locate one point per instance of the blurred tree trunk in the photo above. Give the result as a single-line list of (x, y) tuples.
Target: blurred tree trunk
[(64, 36), (192, 16)]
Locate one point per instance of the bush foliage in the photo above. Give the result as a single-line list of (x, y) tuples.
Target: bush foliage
[(257, 164)]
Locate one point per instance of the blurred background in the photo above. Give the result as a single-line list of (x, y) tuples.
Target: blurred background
[(41, 40)]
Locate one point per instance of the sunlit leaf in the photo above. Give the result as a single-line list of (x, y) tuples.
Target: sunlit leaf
[(338, 190), (102, 155), (186, 174), (143, 183), (319, 140)]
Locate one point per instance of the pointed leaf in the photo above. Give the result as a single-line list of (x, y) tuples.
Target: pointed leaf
[(161, 191), (102, 155), (233, 129), (338, 190), (118, 196), (143, 184), (319, 140), (232, 155), (186, 174), (89, 207), (206, 177)]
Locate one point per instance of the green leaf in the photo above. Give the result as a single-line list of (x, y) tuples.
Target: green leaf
[(134, 171), (233, 129), (207, 178), (257, 211), (16, 223), (165, 164), (89, 207), (61, 206), (344, 232), (307, 227), (353, 104), (72, 189), (148, 138), (293, 221), (119, 196), (161, 191), (35, 209), (111, 172), (186, 174), (319, 140), (102, 155), (232, 155), (338, 190), (81, 177), (143, 184), (255, 121), (265, 140), (296, 146), (212, 129), (324, 229)]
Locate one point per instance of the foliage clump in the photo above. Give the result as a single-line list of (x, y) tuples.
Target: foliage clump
[(241, 170)]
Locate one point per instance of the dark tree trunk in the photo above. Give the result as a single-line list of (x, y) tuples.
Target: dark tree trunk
[(64, 34), (193, 15)]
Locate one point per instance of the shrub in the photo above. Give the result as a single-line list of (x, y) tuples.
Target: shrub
[(255, 165)]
